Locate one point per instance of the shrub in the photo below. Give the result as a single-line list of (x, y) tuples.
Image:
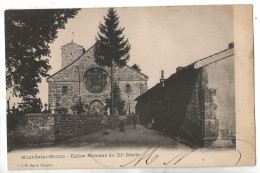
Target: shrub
[(79, 107), (62, 110)]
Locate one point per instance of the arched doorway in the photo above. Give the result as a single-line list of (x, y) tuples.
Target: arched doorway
[(96, 107)]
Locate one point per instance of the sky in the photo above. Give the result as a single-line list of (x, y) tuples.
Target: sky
[(161, 38)]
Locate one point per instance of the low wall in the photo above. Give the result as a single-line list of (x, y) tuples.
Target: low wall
[(31, 129), (47, 129), (67, 126)]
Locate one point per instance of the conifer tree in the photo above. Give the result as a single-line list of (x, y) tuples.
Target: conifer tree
[(111, 47), (136, 67)]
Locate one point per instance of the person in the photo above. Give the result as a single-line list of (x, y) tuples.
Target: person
[(121, 123), (104, 123), (96, 110), (164, 122), (134, 119)]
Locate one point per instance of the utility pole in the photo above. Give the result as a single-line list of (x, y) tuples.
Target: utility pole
[(78, 71), (79, 84), (128, 90), (129, 113), (112, 87)]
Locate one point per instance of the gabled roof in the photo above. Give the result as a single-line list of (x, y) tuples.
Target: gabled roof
[(158, 87), (82, 56), (193, 66), (214, 58), (137, 71), (70, 63)]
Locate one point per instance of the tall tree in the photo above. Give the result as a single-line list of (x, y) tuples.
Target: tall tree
[(28, 34), (119, 102), (111, 47)]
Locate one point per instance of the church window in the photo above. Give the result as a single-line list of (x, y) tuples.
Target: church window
[(64, 90), (96, 80), (128, 88)]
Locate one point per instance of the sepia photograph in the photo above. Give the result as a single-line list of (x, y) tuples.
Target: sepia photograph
[(129, 87)]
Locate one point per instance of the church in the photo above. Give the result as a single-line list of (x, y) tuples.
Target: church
[(81, 77)]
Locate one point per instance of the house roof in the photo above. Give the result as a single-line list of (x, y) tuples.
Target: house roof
[(195, 65)]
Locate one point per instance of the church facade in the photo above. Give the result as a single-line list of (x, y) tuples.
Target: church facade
[(81, 77)]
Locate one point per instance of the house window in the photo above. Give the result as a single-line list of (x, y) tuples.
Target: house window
[(64, 90)]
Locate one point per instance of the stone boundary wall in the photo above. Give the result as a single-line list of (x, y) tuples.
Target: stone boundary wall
[(30, 130), (47, 129), (68, 126)]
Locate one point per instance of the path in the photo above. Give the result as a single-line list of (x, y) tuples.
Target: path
[(140, 136)]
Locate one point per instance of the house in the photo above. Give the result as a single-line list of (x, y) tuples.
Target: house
[(197, 103)]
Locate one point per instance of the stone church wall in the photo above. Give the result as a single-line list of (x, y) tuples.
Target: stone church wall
[(70, 52), (70, 76), (137, 88)]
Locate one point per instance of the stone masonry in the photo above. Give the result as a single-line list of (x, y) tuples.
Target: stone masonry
[(197, 103), (66, 85), (38, 129)]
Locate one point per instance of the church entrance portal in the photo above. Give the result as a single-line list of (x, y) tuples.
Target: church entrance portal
[(97, 107)]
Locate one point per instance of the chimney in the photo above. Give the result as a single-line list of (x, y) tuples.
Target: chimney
[(231, 45), (162, 76)]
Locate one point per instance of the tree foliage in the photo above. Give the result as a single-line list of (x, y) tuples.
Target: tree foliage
[(119, 102), (136, 67), (28, 34), (111, 47), (30, 105), (79, 107), (110, 43)]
